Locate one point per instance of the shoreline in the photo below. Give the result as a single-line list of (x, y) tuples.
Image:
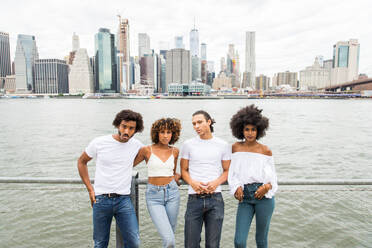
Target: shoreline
[(218, 97)]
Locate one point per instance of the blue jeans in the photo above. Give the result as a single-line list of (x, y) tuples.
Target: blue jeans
[(208, 209), (163, 203), (246, 210), (122, 209)]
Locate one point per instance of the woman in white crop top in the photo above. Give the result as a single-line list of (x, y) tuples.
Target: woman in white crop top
[(252, 177), (162, 195)]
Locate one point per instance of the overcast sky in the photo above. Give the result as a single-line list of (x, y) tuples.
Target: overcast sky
[(289, 33)]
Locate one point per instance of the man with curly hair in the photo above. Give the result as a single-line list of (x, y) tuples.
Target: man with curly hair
[(110, 196), (205, 162)]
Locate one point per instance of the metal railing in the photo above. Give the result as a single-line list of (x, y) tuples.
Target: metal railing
[(136, 181)]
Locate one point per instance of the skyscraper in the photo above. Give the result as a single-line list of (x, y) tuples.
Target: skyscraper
[(147, 70), (178, 42), (105, 62), (143, 45), (75, 42), (81, 74), (203, 51), (195, 68), (178, 66), (123, 46), (25, 56), (250, 57), (51, 76), (345, 66), (5, 65), (194, 42)]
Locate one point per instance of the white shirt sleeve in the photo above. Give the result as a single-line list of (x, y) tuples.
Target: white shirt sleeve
[(233, 177), (91, 149), (185, 151), (270, 177), (227, 152)]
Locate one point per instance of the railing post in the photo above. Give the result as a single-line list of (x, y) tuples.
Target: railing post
[(134, 199)]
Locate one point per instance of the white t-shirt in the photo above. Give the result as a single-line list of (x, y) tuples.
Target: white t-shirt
[(114, 164), (205, 158)]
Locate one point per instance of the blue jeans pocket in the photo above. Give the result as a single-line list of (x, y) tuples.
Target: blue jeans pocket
[(250, 190)]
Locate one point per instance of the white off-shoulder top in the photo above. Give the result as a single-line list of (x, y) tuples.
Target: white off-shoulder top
[(251, 167)]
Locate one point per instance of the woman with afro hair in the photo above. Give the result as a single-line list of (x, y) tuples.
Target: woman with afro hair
[(252, 177), (162, 195)]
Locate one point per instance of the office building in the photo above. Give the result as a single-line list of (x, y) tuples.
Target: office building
[(194, 42), (123, 47), (345, 67), (314, 77), (25, 56), (203, 51), (143, 45), (178, 42), (81, 74), (262, 82), (105, 62), (178, 66), (51, 76), (5, 65), (286, 78), (250, 58)]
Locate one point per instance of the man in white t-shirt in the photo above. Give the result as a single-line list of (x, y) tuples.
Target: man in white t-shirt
[(205, 162), (110, 196)]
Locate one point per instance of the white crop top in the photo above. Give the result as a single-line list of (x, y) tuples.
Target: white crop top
[(157, 168)]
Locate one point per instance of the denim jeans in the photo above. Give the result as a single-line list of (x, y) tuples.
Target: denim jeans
[(163, 203), (246, 210), (208, 209), (122, 209)]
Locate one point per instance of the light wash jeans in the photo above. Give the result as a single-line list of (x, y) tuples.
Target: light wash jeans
[(250, 206), (122, 209), (163, 204)]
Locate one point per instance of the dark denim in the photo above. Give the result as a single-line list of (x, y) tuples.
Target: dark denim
[(207, 209), (122, 209), (250, 206)]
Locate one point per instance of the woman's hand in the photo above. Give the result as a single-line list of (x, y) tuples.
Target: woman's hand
[(177, 178), (262, 190), (239, 194)]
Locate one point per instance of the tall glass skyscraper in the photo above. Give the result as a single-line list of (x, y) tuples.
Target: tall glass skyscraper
[(105, 62), (5, 65), (194, 42), (25, 56)]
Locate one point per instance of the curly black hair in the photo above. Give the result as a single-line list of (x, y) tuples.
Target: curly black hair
[(249, 115), (174, 125), (206, 116), (129, 115)]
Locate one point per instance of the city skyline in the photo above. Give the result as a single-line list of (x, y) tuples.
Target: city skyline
[(288, 37)]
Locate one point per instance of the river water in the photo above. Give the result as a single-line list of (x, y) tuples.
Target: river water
[(310, 139)]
